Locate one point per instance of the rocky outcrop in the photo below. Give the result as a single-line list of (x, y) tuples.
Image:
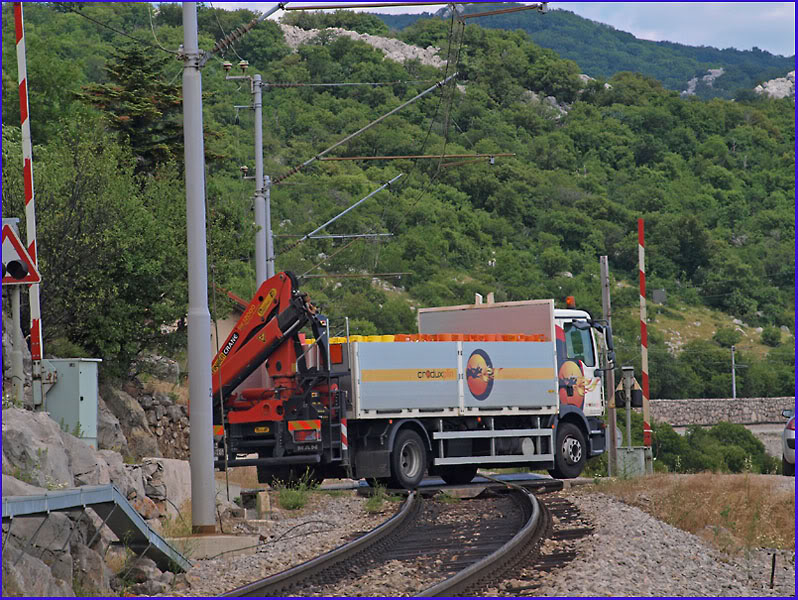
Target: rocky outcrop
[(781, 87), (708, 79), (51, 556), (394, 49), (133, 421)]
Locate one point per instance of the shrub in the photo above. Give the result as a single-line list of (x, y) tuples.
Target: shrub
[(727, 337), (771, 336)]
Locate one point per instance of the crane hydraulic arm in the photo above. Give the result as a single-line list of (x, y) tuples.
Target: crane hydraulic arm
[(267, 331)]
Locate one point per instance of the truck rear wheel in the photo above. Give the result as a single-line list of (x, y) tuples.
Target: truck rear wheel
[(408, 460), (458, 475), (570, 452)]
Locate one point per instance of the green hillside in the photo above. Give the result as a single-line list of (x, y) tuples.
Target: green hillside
[(714, 181), (601, 51)]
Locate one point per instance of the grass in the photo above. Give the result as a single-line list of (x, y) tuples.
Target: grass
[(246, 477), (178, 393), (294, 495), (732, 512), (378, 498), (699, 323)]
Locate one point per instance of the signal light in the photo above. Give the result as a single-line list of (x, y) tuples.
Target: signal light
[(16, 268)]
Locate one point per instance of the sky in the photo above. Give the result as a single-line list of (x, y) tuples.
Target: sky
[(767, 25)]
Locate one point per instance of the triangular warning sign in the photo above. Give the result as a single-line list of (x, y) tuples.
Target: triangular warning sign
[(18, 267)]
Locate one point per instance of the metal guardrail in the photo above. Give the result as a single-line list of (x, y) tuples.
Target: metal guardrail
[(112, 507)]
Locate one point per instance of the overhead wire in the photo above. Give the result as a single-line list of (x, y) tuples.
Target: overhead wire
[(66, 6), (224, 35)]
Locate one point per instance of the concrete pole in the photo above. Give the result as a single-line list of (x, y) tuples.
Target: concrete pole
[(269, 235), (610, 375), (734, 377), (260, 202), (199, 318), (17, 369)]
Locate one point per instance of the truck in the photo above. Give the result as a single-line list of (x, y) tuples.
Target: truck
[(510, 384)]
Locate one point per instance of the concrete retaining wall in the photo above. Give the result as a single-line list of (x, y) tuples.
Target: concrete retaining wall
[(709, 411)]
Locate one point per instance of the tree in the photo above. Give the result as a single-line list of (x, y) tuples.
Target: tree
[(108, 244), (142, 107)]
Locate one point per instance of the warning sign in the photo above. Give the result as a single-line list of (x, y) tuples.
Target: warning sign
[(18, 267)]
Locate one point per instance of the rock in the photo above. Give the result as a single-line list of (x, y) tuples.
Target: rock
[(142, 569), (109, 431), (146, 507), (87, 467), (133, 420), (393, 48), (29, 576), (34, 449), (175, 412), (149, 588), (90, 574), (781, 87), (15, 487), (164, 400), (159, 366), (146, 402), (127, 478)]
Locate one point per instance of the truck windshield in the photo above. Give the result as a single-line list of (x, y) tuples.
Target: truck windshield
[(579, 344)]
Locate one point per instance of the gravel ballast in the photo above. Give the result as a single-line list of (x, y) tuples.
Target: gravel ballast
[(629, 553)]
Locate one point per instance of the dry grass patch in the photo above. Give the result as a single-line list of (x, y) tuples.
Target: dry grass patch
[(179, 393), (246, 477), (732, 512)]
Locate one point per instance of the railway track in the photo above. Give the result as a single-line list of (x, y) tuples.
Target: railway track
[(441, 547)]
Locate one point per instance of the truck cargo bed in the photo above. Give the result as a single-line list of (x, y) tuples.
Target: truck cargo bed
[(452, 378)]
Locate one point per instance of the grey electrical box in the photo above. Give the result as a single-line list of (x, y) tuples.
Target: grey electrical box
[(635, 461), (72, 401)]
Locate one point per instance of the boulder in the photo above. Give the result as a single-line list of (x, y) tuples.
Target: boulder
[(87, 466), (159, 366), (26, 575), (109, 431), (133, 420), (169, 479), (142, 569), (90, 574), (15, 487), (34, 449), (127, 478)]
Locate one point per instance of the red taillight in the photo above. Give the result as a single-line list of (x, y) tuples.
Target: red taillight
[(309, 435), (791, 424)]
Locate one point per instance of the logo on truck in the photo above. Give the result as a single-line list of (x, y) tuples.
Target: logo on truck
[(479, 374)]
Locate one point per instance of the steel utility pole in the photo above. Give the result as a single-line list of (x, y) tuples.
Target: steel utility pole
[(199, 318), (261, 237), (734, 377), (264, 248), (610, 387)]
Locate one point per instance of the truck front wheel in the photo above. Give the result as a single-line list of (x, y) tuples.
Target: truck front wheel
[(408, 460), (570, 452)]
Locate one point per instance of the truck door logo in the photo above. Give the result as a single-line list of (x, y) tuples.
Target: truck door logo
[(479, 374)]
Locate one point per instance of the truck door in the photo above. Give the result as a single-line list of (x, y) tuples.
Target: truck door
[(578, 382)]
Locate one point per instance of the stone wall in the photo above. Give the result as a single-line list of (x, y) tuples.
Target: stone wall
[(709, 411)]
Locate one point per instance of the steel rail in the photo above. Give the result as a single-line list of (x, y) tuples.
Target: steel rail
[(277, 583), (485, 568)]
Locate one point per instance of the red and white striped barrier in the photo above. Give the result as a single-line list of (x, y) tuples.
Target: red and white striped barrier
[(344, 438), (36, 345), (641, 252)]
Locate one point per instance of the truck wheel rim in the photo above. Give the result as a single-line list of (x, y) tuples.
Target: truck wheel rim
[(409, 459), (571, 450)]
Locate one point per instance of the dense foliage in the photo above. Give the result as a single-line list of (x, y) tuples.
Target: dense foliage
[(722, 448), (713, 180), (602, 51)]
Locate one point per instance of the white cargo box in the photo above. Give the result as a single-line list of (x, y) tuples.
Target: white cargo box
[(430, 379), (528, 317)]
